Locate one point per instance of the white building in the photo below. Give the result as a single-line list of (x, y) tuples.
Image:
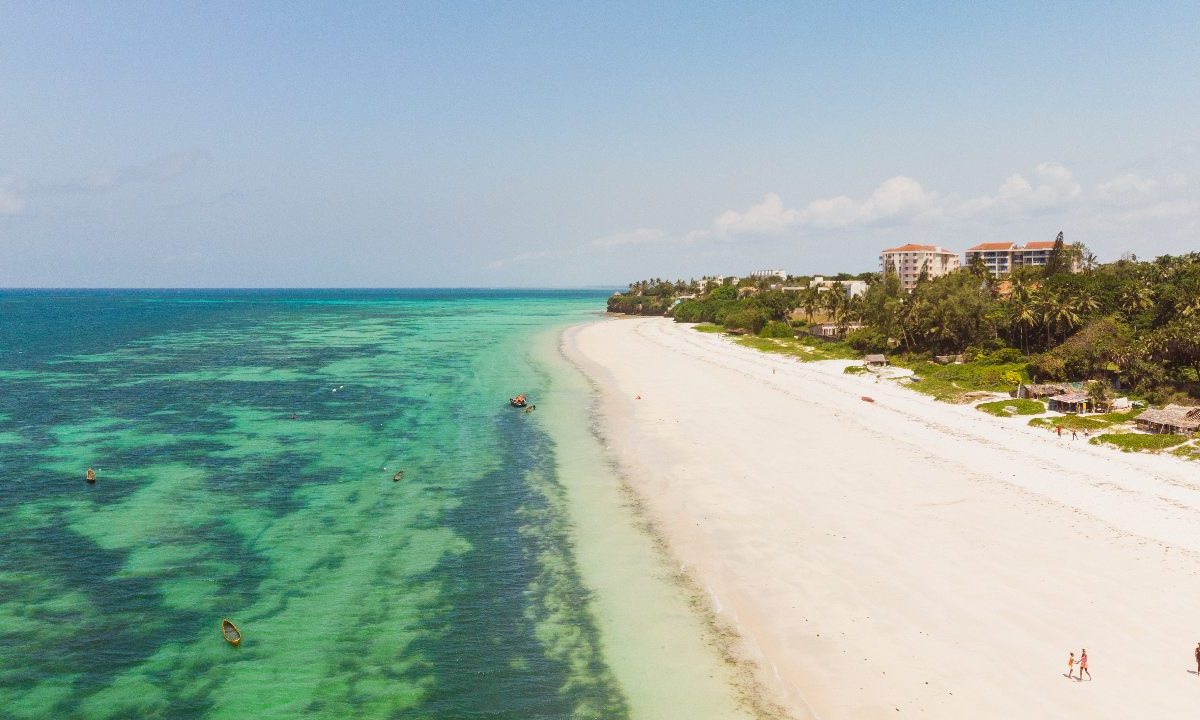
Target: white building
[(852, 288), (907, 262), (764, 274)]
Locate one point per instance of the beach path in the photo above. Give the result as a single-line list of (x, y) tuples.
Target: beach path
[(903, 557)]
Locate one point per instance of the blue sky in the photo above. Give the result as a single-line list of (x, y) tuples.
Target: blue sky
[(563, 144)]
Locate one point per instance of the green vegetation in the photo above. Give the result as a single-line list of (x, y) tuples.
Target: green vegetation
[(854, 370), (807, 349), (1133, 324), (1085, 422), (709, 328), (957, 383), (1023, 407), (1136, 442), (1187, 452)]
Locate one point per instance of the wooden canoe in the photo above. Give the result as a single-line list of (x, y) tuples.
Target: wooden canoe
[(868, 399), (230, 632)]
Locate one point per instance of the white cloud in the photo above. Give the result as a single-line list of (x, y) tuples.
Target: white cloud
[(1054, 187), (1126, 189), (11, 200), (1021, 201), (897, 199), (769, 217)]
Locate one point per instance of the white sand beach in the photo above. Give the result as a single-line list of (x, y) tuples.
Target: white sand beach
[(904, 557)]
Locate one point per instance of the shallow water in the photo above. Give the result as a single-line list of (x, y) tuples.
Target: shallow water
[(453, 593)]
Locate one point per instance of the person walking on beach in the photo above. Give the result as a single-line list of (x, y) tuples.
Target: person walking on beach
[(1198, 658), (1059, 429), (1074, 435), (1083, 665), (1071, 665)]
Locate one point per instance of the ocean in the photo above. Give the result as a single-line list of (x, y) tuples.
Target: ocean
[(245, 444)]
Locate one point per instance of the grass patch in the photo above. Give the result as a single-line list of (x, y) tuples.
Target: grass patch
[(854, 370), (953, 383), (807, 349), (1085, 422), (709, 328), (1187, 452), (1135, 442), (1023, 406)]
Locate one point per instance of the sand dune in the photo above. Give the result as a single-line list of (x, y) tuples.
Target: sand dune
[(904, 557)]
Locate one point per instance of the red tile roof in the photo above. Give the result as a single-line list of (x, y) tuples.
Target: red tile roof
[(993, 246), (1039, 245), (913, 248)]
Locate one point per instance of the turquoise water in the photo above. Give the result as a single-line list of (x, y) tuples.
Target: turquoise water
[(454, 593)]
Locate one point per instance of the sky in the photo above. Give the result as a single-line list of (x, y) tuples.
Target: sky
[(573, 144)]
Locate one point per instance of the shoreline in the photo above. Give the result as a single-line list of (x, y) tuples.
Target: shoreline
[(665, 658), (919, 536)]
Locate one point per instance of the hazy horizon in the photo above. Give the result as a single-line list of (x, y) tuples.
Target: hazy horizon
[(534, 145)]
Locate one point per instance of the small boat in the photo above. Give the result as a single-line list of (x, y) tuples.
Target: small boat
[(867, 399), (398, 476), (518, 401), (531, 408), (90, 476), (232, 635)]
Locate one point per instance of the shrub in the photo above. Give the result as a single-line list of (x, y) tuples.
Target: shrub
[(746, 319), (776, 329), (854, 370), (1133, 442), (867, 340), (1046, 367), (1003, 356)]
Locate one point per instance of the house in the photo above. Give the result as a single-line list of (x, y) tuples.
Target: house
[(1072, 402), (1036, 391), (1177, 419), (764, 274), (909, 261), (875, 361), (852, 288), (833, 330)]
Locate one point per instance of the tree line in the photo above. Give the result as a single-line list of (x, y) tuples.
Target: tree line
[(1130, 322)]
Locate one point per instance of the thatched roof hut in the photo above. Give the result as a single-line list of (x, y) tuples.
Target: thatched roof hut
[(871, 360), (1177, 419)]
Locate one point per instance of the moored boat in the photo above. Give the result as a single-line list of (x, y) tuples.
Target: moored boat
[(230, 632), (518, 401)]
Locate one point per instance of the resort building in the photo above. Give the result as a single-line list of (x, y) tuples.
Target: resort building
[(1001, 258), (764, 274), (907, 262)]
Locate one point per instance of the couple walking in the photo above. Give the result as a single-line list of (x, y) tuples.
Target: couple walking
[(1083, 665)]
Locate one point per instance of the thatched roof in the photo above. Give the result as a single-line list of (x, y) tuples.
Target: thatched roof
[(1044, 389), (1071, 397), (1179, 416)]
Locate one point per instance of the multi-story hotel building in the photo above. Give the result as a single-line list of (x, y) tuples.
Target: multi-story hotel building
[(1002, 258), (907, 261)]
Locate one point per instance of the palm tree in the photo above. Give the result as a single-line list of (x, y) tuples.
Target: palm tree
[(810, 301)]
